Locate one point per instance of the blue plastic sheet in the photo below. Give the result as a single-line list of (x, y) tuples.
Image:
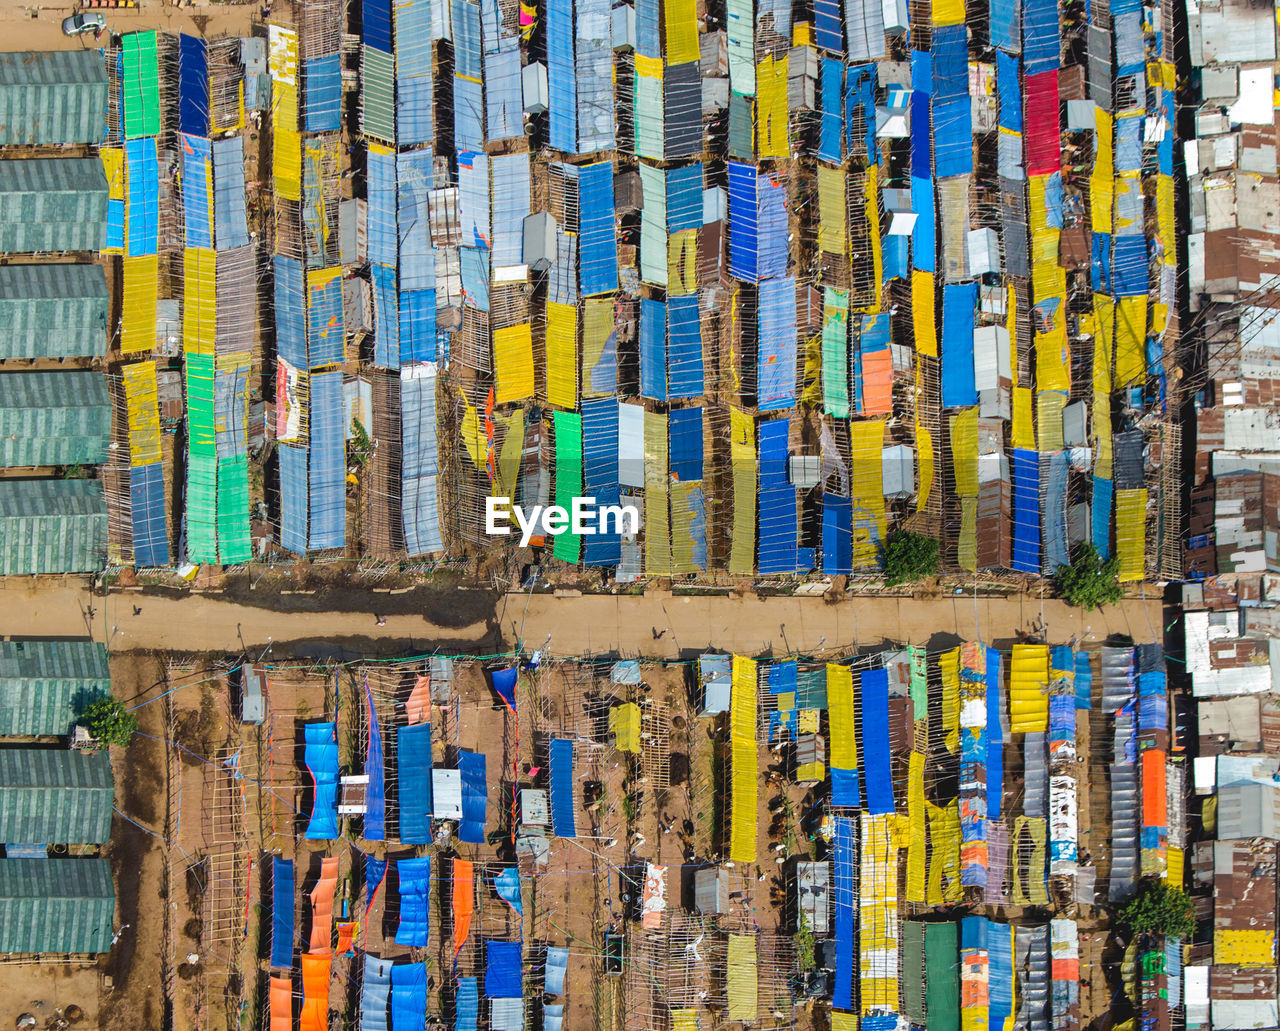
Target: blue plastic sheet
[(468, 113), (413, 773), (684, 198), (325, 334), (414, 71), (782, 677), (561, 780), (386, 317), (375, 991), (772, 228), (562, 113), (293, 498), (281, 912), (475, 277), (1129, 266), (684, 348), (146, 497), (328, 472), (685, 425), (417, 257), (597, 241), (503, 974), (950, 56), (504, 682), (776, 368), (507, 885), (924, 248), (475, 797), (291, 334), (556, 968), (1041, 42), (743, 218), (600, 475), (648, 40), (959, 302), (837, 535), (375, 816), (408, 996), (1054, 470), (860, 102), (1084, 681), (1000, 958), (417, 329), (653, 349), (1101, 515), (322, 93), (193, 86), (420, 462), (502, 100), (844, 877), (142, 197), (777, 501), (415, 898), (1009, 89), (827, 31), (466, 1005), (375, 21), (952, 137), (831, 104), (375, 871), (995, 735), (1026, 510), (229, 216), (197, 191), (320, 755), (875, 740), (1006, 25), (380, 171)]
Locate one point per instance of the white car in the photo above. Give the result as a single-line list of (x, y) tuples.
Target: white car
[(79, 24)]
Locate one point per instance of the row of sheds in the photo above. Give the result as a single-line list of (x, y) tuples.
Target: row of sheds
[(55, 802), (55, 412)]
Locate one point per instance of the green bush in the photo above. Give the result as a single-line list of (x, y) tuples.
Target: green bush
[(1160, 909), (1089, 582), (909, 556), (108, 721)]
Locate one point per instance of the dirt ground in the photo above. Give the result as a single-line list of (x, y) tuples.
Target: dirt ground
[(35, 26)]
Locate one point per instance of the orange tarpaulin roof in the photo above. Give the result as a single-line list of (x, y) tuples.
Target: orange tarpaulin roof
[(463, 901), (322, 906), (1154, 801), (315, 993), (281, 1004), (346, 934), (419, 705), (877, 383)]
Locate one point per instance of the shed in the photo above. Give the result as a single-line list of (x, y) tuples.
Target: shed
[(535, 810), (716, 674), (711, 890), (1249, 811), (446, 794), (52, 526), (898, 469), (53, 204), (53, 97), (54, 418), (53, 311), (62, 906), (45, 685), (813, 895), (50, 795)]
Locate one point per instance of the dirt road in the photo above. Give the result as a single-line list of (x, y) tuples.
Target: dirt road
[(655, 625)]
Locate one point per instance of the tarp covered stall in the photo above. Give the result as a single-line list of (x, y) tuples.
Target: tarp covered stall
[(65, 906), (320, 756), (52, 526), (53, 419), (46, 685), (53, 311)]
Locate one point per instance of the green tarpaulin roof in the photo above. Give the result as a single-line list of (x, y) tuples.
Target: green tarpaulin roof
[(56, 905), (52, 526), (53, 311), (55, 795), (53, 204), (942, 976), (53, 98), (54, 418), (45, 685)]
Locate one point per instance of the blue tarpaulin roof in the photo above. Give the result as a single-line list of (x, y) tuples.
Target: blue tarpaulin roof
[(291, 338), (771, 228), (685, 427), (320, 754), (684, 198), (837, 534), (562, 114), (561, 779), (146, 496), (1102, 490), (844, 877), (503, 976), (408, 996), (1026, 510), (653, 349), (475, 797), (743, 218), (995, 735), (375, 816), (830, 103), (420, 463), (193, 86), (777, 501), (504, 683), (293, 498), (776, 370), (142, 211), (959, 302), (684, 348), (197, 196), (597, 240), (1054, 470), (327, 493), (875, 740), (281, 912), (1129, 266), (229, 217), (600, 473), (375, 21), (557, 966), (375, 990), (1009, 89), (507, 885), (415, 896), (467, 1005), (322, 93), (413, 772), (1041, 42)]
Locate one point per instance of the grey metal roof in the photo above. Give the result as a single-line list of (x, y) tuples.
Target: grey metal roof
[(54, 418), (45, 685), (53, 311), (55, 795), (56, 905), (52, 526), (54, 97), (52, 204)]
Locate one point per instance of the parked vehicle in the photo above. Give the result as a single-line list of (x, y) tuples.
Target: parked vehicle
[(78, 24)]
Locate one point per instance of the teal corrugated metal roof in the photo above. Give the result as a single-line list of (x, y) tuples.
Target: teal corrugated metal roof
[(54, 97), (54, 418), (55, 795), (56, 905), (52, 526), (45, 685), (52, 204), (53, 311)]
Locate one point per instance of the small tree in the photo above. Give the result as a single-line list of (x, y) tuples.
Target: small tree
[(1160, 909), (909, 556), (108, 721), (1089, 581)]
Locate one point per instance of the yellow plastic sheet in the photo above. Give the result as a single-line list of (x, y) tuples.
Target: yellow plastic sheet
[(1023, 432), (597, 328), (744, 762), (684, 1020), (681, 19), (872, 195), (917, 852), (923, 316), (144, 415), (878, 914), (840, 723), (964, 451), (742, 458), (1244, 947), (199, 300), (513, 364), (140, 277), (843, 1021), (924, 453), (1131, 534), (562, 355), (624, 725), (772, 140), (944, 855), (833, 233), (741, 977), (1131, 340), (1102, 179), (1175, 869), (866, 442), (1028, 689), (1165, 220), (682, 516), (682, 263), (286, 155), (1049, 408), (948, 12), (657, 517), (949, 674)]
